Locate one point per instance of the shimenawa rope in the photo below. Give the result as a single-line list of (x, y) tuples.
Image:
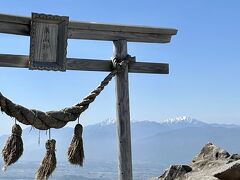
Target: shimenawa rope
[(58, 119)]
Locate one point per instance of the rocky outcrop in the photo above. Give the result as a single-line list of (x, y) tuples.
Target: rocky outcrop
[(176, 171), (212, 163)]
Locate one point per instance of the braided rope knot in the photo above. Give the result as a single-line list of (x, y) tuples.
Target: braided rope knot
[(58, 119), (119, 64), (17, 130), (50, 145)]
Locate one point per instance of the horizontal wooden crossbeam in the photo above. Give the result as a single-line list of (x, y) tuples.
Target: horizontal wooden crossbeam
[(93, 31), (21, 61)]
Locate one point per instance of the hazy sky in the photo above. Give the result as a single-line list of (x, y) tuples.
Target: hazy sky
[(204, 61)]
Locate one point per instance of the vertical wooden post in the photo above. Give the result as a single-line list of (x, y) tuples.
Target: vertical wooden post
[(123, 115)]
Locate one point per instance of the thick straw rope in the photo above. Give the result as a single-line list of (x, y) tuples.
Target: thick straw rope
[(57, 119)]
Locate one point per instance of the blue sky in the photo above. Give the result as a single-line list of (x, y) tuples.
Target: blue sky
[(204, 61)]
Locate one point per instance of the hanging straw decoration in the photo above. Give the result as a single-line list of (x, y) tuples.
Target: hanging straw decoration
[(49, 162), (75, 150), (13, 148)]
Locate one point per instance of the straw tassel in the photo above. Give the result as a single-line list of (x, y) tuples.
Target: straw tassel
[(75, 150), (49, 162), (13, 148)]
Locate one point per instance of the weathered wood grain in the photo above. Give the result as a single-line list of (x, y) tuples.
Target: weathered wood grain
[(146, 67), (117, 35), (21, 61), (48, 42), (89, 65), (18, 61), (12, 28), (123, 115), (120, 27), (93, 31), (15, 19)]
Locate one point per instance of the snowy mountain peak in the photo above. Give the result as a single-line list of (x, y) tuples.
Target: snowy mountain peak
[(108, 121), (182, 119)]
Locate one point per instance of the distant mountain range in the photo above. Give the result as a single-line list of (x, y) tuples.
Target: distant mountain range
[(173, 141)]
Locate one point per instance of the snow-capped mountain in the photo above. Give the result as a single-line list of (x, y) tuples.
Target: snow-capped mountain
[(183, 121), (174, 139), (108, 121)]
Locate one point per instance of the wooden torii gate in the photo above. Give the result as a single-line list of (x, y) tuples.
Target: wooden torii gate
[(55, 30)]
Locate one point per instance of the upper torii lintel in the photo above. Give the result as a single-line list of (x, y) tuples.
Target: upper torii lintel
[(78, 30)]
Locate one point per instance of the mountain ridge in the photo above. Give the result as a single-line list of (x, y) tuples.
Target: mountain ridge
[(152, 142)]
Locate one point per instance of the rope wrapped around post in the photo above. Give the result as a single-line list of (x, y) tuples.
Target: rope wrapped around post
[(58, 119)]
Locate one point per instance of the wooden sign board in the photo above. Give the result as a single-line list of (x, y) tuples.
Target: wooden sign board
[(48, 42)]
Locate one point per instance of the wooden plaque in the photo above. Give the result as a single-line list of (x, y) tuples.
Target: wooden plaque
[(48, 42)]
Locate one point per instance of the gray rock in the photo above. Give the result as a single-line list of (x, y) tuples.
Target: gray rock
[(212, 163), (175, 171), (211, 152), (210, 156), (235, 157), (229, 172)]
